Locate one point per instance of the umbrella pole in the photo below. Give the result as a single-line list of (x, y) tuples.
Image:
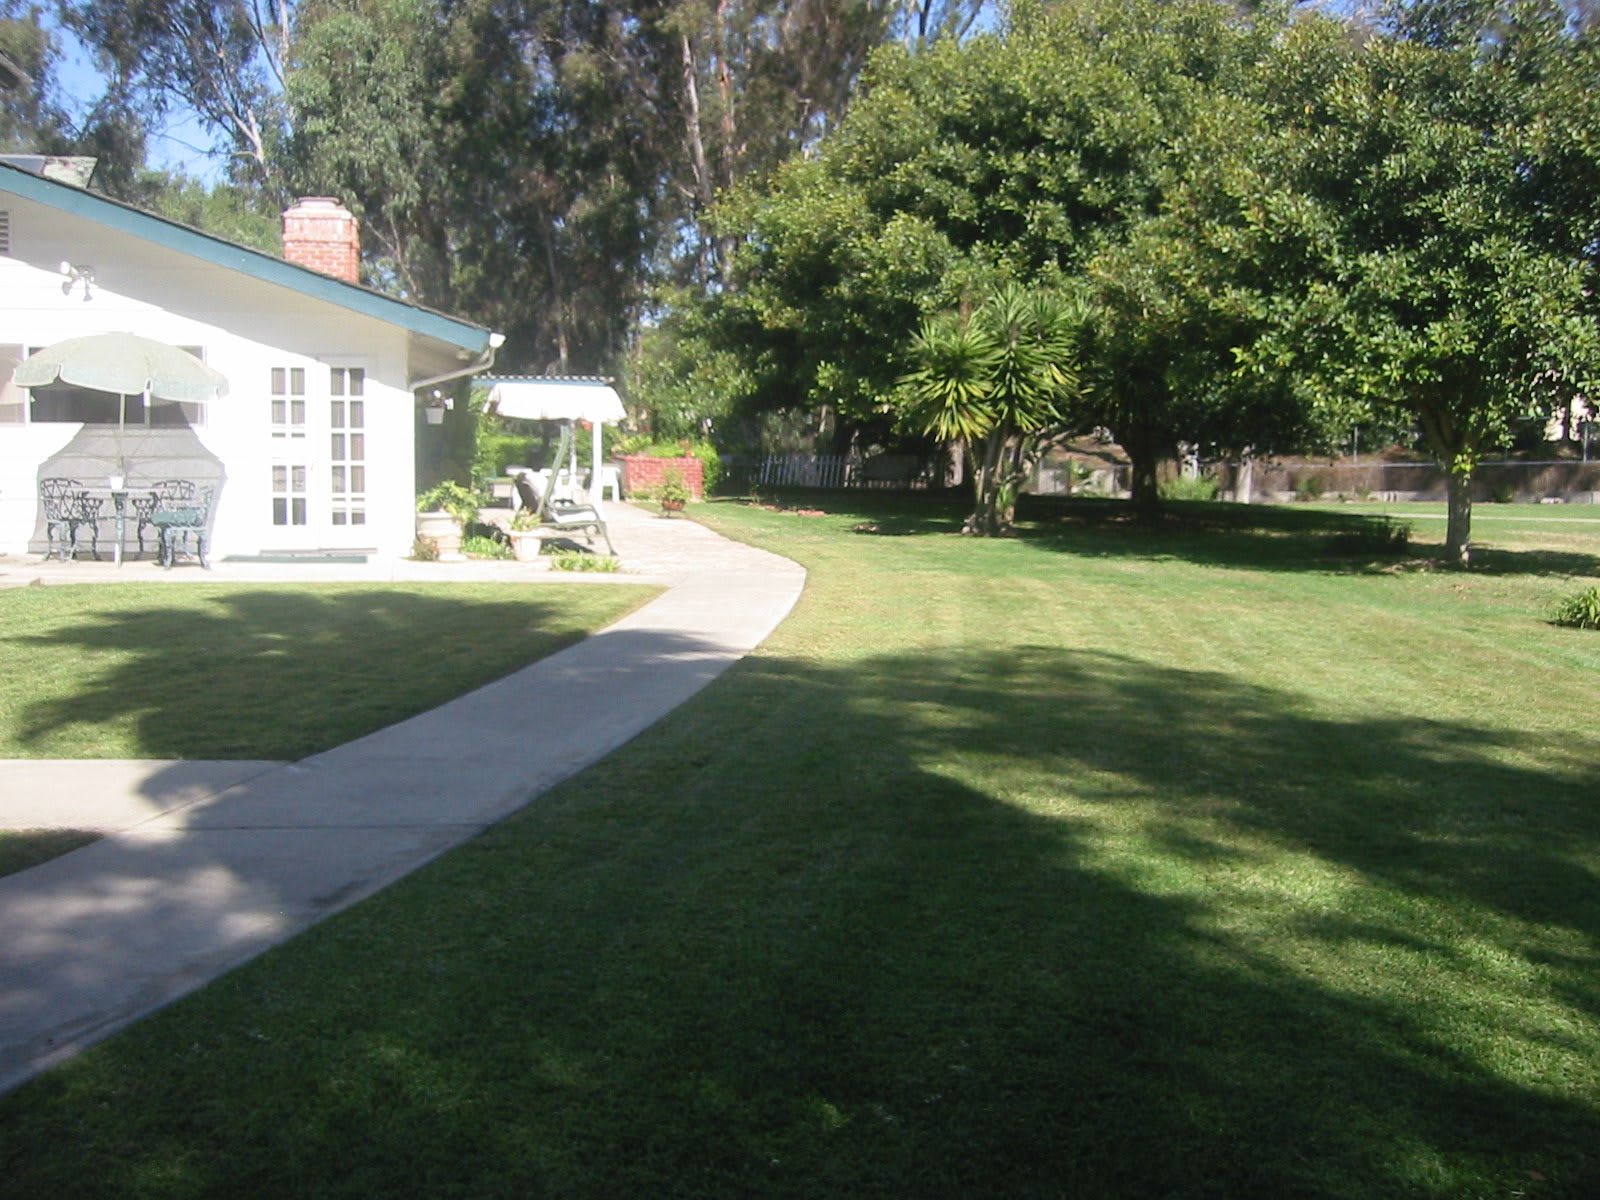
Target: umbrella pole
[(122, 419)]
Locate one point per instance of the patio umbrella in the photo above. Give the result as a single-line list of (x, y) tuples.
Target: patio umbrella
[(126, 364)]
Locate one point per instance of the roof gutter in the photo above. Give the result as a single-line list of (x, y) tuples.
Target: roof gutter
[(482, 363)]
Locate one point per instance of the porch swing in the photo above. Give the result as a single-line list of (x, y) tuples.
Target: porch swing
[(568, 400), (556, 514)]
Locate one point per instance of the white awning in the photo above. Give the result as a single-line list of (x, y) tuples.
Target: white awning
[(557, 400)]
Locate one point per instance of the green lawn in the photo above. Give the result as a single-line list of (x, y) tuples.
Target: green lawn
[(1097, 862), (273, 671), (24, 848)]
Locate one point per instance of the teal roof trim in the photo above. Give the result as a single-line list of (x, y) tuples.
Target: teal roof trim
[(114, 214)]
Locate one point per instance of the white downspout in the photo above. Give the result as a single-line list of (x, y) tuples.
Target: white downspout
[(483, 362)]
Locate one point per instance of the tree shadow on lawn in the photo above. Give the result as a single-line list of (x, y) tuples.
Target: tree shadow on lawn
[(283, 673), (1026, 922), (889, 512), (1255, 537), (1269, 537)]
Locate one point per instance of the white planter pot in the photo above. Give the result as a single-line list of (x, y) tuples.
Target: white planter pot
[(526, 544), (444, 531)]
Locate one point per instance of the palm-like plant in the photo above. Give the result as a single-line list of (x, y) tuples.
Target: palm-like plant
[(998, 379)]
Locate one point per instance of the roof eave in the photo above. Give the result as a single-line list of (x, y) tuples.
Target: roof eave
[(172, 235)]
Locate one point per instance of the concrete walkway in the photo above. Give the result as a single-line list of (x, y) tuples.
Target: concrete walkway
[(207, 864)]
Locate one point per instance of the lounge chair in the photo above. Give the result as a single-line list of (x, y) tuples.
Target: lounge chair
[(561, 516)]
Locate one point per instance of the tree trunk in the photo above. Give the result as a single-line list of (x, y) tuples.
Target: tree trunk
[(1458, 455), (954, 463), (1458, 530), (705, 189), (1141, 448), (986, 519)]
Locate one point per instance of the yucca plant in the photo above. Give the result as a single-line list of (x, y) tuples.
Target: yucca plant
[(997, 379)]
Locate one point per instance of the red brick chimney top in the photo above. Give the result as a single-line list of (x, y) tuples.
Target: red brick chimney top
[(321, 233)]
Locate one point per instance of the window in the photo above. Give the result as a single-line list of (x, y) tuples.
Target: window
[(288, 494), (13, 400), (288, 403), (62, 403), (348, 448)]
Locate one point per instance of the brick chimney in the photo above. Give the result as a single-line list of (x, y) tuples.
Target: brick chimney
[(321, 233)]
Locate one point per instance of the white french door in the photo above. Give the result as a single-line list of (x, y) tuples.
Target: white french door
[(318, 464)]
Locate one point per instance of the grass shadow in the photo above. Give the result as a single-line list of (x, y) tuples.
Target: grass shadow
[(227, 672), (1022, 921), (1277, 538)]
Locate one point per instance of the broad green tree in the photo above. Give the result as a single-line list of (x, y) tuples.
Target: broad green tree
[(363, 81), (222, 60), (1442, 288), (1063, 155), (31, 119)]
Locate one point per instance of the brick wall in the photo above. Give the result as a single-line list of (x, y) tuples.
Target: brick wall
[(641, 473)]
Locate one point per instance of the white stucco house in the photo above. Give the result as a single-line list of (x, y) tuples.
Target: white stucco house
[(313, 447)]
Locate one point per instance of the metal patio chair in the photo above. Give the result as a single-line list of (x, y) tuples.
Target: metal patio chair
[(178, 522), (67, 509), (167, 493)]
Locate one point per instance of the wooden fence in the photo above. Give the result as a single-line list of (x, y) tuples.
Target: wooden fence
[(844, 471)]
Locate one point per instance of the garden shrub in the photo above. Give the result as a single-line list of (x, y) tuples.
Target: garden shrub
[(459, 501), (1384, 536), (577, 560), (1308, 488), (481, 545), (1581, 610), (1189, 487), (496, 449)]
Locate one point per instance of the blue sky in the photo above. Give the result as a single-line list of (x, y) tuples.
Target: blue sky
[(180, 145)]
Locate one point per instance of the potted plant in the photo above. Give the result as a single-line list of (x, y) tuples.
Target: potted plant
[(526, 539), (673, 493), (443, 513)]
